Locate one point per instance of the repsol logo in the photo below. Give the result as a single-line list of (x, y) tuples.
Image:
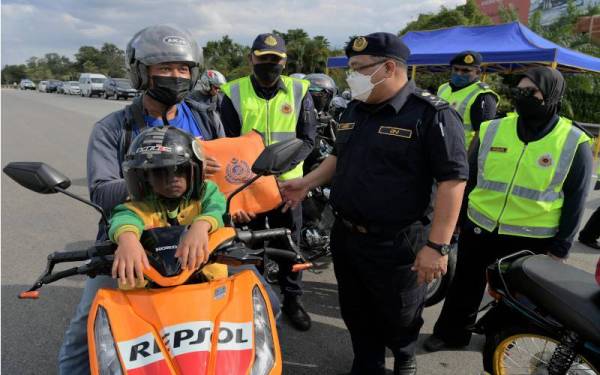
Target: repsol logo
[(185, 338)]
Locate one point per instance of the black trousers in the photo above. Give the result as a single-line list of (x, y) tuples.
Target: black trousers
[(591, 231), (289, 282), (380, 300), (477, 248)]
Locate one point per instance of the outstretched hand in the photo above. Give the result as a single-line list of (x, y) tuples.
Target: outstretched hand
[(293, 192)]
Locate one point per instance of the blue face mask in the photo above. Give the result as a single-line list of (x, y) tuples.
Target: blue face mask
[(460, 80)]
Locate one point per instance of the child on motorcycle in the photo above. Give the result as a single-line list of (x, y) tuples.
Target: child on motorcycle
[(164, 173)]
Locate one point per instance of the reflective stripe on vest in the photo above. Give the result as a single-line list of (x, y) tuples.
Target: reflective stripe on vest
[(275, 119), (522, 210)]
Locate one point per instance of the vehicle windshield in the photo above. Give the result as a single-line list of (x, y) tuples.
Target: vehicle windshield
[(97, 80), (74, 83), (123, 83)]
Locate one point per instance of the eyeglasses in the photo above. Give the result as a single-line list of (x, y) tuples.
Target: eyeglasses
[(524, 91), (363, 67)]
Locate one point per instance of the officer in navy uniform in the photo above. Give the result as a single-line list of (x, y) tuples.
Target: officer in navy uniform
[(394, 142)]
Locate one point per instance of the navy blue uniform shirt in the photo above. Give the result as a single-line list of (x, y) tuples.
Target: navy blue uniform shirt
[(390, 154)]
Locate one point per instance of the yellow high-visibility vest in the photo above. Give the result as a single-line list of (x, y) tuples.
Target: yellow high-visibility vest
[(462, 100), (519, 186), (275, 119)]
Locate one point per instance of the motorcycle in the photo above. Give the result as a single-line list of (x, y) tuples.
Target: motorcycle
[(544, 319), (176, 322)]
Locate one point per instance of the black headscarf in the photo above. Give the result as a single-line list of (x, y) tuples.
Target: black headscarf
[(552, 85), (550, 82)]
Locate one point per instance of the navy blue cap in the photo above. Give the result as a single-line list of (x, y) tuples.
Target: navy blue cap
[(269, 44), (467, 58), (378, 44)]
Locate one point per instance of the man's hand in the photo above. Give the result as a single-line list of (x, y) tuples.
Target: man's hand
[(130, 260), (211, 166), (293, 192), (243, 217), (430, 265), (193, 249)]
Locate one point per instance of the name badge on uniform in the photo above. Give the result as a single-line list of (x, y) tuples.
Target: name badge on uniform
[(345, 126), (396, 132), (499, 149)]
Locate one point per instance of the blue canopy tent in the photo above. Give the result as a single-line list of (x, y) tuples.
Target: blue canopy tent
[(507, 48)]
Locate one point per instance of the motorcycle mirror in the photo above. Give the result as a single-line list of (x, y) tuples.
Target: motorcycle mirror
[(42, 178), (277, 158), (36, 176)]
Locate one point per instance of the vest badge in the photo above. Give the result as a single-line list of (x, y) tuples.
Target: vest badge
[(286, 109), (545, 160)]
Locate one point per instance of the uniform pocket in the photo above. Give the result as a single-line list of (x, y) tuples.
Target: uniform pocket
[(406, 289)]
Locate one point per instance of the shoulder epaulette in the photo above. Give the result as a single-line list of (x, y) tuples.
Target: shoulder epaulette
[(433, 100)]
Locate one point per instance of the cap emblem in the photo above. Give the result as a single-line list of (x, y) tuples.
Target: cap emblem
[(469, 59), (270, 41), (359, 44)]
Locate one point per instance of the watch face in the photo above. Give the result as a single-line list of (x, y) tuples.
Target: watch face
[(445, 249)]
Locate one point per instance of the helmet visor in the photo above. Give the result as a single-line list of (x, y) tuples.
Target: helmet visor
[(170, 181)]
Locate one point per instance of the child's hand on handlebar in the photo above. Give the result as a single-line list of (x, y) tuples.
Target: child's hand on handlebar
[(193, 249), (130, 260)]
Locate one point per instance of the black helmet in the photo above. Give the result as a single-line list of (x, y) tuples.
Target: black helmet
[(322, 88), (163, 149), (160, 44)]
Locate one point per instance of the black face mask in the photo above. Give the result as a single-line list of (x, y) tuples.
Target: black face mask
[(267, 73), (532, 110), (169, 90)]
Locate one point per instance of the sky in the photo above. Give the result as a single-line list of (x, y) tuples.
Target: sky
[(34, 28)]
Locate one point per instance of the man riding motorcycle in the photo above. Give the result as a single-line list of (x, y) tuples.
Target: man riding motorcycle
[(208, 89)]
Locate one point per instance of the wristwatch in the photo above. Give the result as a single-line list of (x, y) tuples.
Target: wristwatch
[(443, 248)]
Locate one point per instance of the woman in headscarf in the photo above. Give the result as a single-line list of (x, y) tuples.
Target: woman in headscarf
[(528, 184)]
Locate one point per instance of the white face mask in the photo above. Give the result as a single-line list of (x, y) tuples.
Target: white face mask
[(361, 85)]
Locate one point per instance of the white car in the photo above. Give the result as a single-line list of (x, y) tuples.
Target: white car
[(42, 86), (72, 88)]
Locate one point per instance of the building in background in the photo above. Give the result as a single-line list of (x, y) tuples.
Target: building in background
[(552, 9), (492, 9)]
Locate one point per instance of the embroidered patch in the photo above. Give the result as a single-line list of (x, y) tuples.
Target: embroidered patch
[(238, 172), (397, 132), (545, 160), (345, 126), (499, 149)]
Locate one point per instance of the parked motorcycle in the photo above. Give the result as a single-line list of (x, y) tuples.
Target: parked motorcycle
[(176, 322), (545, 318)]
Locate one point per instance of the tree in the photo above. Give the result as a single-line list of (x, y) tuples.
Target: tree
[(226, 56), (112, 60), (13, 73)]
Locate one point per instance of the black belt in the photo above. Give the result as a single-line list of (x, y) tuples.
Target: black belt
[(376, 229)]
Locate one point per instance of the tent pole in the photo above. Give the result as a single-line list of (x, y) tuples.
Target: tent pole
[(554, 64), (484, 74), (413, 73)]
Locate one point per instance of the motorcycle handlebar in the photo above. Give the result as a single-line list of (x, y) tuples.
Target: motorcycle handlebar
[(251, 237)]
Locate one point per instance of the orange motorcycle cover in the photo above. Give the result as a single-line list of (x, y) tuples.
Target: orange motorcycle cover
[(197, 329), (236, 156)]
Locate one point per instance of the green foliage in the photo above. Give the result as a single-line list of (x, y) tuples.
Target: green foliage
[(228, 57), (468, 15)]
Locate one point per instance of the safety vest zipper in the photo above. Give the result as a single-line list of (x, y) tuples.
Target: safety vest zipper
[(268, 129), (509, 189)]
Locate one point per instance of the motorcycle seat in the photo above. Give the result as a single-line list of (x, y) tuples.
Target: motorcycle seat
[(569, 294)]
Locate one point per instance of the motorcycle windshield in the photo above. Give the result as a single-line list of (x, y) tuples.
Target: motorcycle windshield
[(160, 245)]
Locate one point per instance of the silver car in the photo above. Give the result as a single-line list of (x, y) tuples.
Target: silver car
[(72, 88)]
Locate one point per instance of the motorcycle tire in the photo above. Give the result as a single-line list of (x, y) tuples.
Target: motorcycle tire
[(437, 289), (503, 343)]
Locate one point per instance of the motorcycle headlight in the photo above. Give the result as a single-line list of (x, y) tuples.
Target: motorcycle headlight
[(106, 352), (264, 348)]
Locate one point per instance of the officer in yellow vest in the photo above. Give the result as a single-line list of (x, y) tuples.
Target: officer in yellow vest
[(528, 185), (279, 108), (474, 100)]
